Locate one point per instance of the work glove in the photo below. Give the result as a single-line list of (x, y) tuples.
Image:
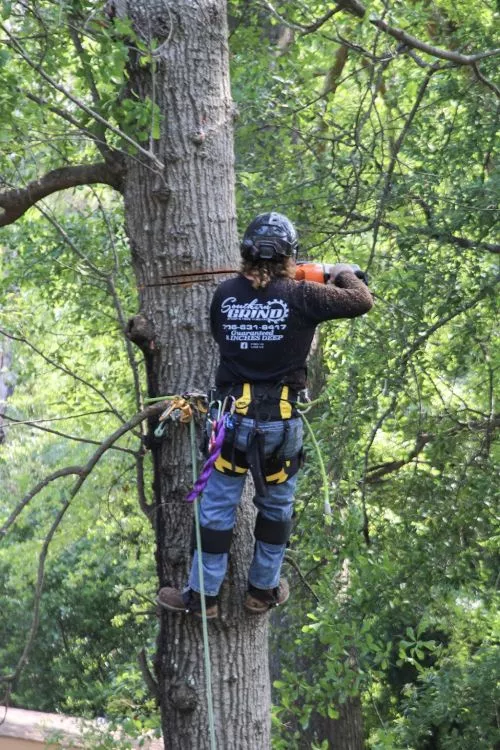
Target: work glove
[(353, 267)]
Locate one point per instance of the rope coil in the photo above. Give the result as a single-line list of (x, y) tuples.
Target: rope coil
[(216, 441)]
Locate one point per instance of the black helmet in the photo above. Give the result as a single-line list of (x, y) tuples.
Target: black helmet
[(268, 237)]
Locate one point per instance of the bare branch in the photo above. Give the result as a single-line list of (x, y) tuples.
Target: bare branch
[(64, 369), (375, 473), (147, 508), (14, 203), (358, 9), (303, 29), (315, 25), (486, 81), (290, 560), (67, 471), (395, 151), (148, 678), (64, 434), (128, 344), (61, 419)]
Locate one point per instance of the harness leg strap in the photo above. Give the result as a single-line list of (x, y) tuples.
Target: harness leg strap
[(214, 541), (272, 532)]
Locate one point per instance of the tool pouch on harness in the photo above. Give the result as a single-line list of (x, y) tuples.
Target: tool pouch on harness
[(265, 470)]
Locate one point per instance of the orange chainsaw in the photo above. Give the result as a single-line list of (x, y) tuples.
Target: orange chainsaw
[(322, 272)]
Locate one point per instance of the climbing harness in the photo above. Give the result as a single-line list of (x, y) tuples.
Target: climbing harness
[(263, 401), (223, 414), (253, 401)]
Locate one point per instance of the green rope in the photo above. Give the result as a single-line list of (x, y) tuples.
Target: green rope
[(327, 508), (306, 405), (206, 648), (159, 398)]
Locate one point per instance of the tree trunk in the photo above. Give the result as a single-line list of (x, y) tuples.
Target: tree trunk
[(179, 221), (344, 733)]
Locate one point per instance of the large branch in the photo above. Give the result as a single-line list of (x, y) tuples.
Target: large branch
[(14, 203)]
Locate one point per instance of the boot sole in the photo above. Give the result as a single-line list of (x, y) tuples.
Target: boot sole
[(262, 610), (184, 611)]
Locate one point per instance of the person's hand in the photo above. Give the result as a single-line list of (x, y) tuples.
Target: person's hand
[(337, 268)]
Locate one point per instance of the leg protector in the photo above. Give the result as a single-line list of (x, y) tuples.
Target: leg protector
[(272, 532), (215, 541)]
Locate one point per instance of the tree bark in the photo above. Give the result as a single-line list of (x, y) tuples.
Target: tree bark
[(344, 733), (179, 221)]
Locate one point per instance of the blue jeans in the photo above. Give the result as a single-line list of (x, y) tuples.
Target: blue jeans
[(221, 498)]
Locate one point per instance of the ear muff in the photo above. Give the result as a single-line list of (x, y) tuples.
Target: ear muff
[(248, 250)]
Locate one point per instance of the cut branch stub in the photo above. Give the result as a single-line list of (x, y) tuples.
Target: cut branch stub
[(183, 697), (140, 331)]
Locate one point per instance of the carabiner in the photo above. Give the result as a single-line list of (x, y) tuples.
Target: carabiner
[(219, 406), (160, 429), (232, 407)]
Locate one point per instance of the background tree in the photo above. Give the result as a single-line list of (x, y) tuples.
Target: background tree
[(375, 131)]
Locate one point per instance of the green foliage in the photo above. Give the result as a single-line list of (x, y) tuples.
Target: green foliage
[(96, 612), (405, 622), (400, 607)]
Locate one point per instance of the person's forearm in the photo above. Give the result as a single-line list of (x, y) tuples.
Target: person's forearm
[(349, 295)]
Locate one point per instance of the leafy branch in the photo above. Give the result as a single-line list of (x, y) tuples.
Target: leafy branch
[(149, 155), (408, 42), (83, 472), (375, 473), (63, 369), (432, 232)]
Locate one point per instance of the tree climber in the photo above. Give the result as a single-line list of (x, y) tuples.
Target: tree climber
[(264, 322)]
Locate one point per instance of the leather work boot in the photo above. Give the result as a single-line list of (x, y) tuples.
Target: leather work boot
[(258, 601), (189, 601)]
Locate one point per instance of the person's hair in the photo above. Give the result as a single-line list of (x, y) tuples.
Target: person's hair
[(264, 271)]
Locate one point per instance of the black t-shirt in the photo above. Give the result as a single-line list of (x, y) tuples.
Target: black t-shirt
[(264, 335)]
